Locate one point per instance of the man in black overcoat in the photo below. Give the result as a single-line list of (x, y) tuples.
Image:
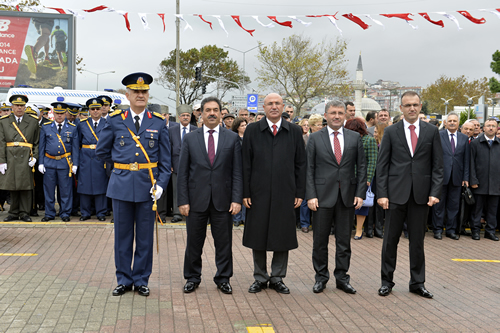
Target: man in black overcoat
[(274, 163)]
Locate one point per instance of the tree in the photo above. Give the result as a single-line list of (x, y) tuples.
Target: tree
[(467, 113), (301, 70), (455, 88), (495, 67), (216, 68), (22, 5)]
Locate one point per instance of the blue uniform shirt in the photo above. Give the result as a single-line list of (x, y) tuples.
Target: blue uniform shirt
[(50, 144)]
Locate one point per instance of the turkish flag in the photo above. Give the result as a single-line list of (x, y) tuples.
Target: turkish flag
[(471, 18), (427, 17), (356, 20)]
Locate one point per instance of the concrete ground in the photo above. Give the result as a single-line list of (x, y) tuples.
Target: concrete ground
[(58, 277)]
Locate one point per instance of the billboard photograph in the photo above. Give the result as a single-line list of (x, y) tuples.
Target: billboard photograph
[(36, 50)]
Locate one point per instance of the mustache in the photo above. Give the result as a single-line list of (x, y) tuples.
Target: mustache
[(212, 117)]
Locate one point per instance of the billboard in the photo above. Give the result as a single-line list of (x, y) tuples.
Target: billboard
[(37, 50)]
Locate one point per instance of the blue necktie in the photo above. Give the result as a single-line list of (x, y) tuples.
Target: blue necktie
[(490, 142), (183, 133)]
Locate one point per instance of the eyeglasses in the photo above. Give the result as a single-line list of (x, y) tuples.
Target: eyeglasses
[(410, 105)]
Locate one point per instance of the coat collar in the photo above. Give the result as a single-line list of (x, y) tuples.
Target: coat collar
[(263, 125)]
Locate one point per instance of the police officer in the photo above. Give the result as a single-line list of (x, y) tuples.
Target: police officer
[(106, 102), (136, 141), (19, 135), (58, 162), (93, 181)]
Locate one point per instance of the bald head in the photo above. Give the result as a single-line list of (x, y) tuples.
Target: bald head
[(273, 106)]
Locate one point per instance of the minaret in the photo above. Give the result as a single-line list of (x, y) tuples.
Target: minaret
[(359, 85)]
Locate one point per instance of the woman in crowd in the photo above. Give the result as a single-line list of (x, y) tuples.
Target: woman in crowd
[(239, 126), (378, 133), (304, 124), (371, 153)]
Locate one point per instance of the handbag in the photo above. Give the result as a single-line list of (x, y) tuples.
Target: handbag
[(370, 197), (468, 196)]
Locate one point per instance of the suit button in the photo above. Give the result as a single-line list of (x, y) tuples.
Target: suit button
[(136, 154), (137, 145)]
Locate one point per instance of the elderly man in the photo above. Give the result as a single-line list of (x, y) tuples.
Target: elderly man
[(477, 128), (243, 113), (228, 120), (136, 142), (274, 165), (19, 135), (468, 129)]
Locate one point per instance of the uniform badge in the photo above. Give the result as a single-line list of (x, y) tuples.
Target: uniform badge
[(151, 143), (122, 143), (67, 137)]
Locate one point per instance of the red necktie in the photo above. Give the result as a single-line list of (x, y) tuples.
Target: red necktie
[(413, 137), (211, 147), (275, 130), (336, 147)]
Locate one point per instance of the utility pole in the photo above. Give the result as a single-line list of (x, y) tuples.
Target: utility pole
[(177, 56)]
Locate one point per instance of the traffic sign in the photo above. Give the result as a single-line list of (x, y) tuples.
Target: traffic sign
[(253, 102)]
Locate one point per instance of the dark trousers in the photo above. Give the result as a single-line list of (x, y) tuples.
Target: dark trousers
[(342, 219), (491, 203), (133, 221), (20, 203), (416, 217), (222, 232), (279, 266), (59, 178), (448, 205), (99, 201)]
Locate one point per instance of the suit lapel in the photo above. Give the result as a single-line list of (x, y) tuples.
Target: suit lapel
[(401, 134), (146, 122), (129, 121), (201, 142), (220, 144), (328, 145), (445, 141), (421, 135)]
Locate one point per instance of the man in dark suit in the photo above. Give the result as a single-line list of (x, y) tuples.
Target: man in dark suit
[(484, 171), (209, 186), (456, 157), (274, 172), (335, 186), (409, 181)]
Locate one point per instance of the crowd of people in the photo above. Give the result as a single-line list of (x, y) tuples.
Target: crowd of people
[(271, 171)]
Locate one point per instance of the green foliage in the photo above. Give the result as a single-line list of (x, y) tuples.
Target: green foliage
[(455, 88), (214, 62), (301, 70), (425, 107), (22, 6), (495, 67), (464, 114)]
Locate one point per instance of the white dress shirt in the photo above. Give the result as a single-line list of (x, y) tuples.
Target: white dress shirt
[(188, 129), (215, 134), (18, 119), (278, 124), (408, 134), (141, 115), (454, 137), (340, 136)]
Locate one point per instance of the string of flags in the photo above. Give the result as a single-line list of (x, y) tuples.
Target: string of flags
[(358, 19)]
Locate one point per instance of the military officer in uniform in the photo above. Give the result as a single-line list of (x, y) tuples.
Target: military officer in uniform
[(5, 109), (136, 141), (58, 155), (93, 181), (19, 135), (72, 113), (72, 116), (106, 102)]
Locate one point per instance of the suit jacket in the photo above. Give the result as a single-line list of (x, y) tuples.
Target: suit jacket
[(198, 182), (484, 166), (324, 174), (398, 172), (175, 142), (456, 166), (50, 144)]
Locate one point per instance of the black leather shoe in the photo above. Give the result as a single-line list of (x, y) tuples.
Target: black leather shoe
[(465, 233), (11, 218), (47, 219), (453, 236), (176, 219), (236, 223), (438, 236), (346, 287), (490, 235), (75, 214), (34, 213), (369, 234), (26, 218), (319, 287), (475, 235), (279, 287), (108, 213), (422, 292), (378, 234), (225, 287), (101, 218), (142, 290), (257, 287), (121, 289), (384, 291), (190, 286), (65, 219), (84, 218)]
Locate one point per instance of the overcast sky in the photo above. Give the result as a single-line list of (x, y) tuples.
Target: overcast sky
[(396, 53)]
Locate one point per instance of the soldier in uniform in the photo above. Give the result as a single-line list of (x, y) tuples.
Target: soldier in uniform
[(93, 181), (19, 135), (106, 102), (59, 159), (136, 141), (5, 109), (72, 113), (72, 117)]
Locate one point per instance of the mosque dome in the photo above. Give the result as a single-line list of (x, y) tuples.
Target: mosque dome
[(369, 104)]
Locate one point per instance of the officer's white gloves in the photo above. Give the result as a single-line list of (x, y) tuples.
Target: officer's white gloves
[(41, 168), (32, 162), (74, 169), (159, 192), (3, 168)]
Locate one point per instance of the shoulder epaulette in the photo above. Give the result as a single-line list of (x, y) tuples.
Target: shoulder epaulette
[(48, 122), (3, 117), (159, 115), (71, 124), (34, 116), (117, 112)]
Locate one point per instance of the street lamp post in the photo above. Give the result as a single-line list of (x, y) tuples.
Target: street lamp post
[(446, 102), (469, 103), (97, 74), (244, 52)]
